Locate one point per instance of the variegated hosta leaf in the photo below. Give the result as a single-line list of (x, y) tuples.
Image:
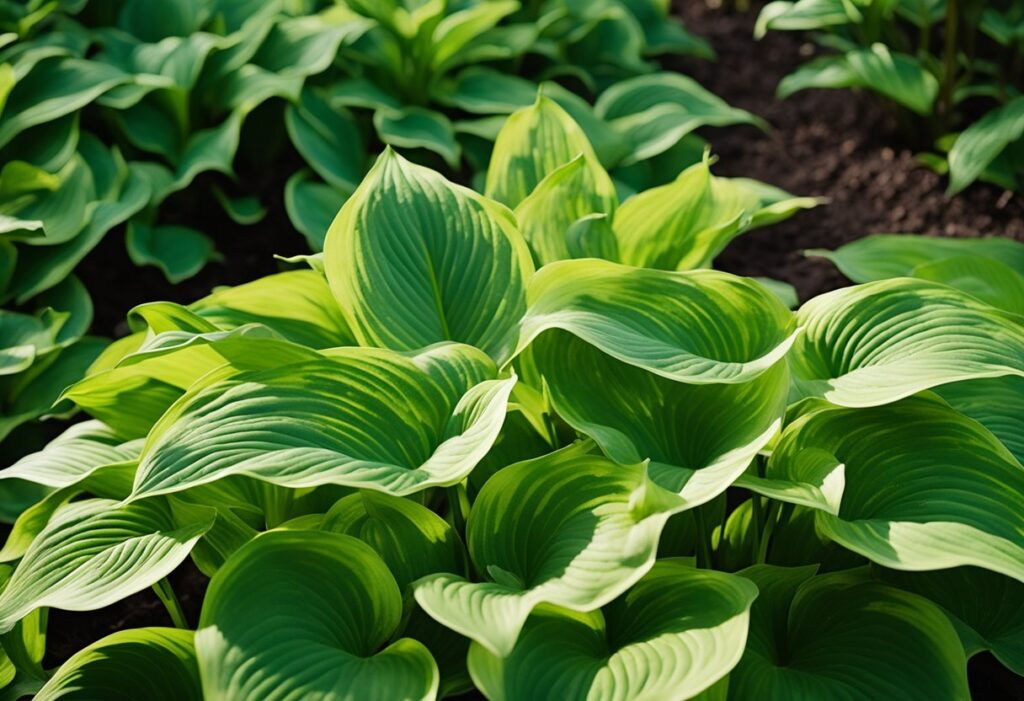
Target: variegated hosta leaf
[(987, 609), (414, 542), (987, 279), (327, 638), (569, 529), (996, 403), (881, 341), (414, 260), (535, 142), (144, 663), (700, 327), (298, 305), (699, 437), (882, 256), (74, 455), (130, 396), (912, 485), (562, 198), (95, 552), (362, 417), (674, 634), (411, 539), (842, 636), (685, 224)]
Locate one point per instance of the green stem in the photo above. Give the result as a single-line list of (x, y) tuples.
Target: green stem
[(758, 524), (703, 540), (166, 594), (456, 508), (766, 536)]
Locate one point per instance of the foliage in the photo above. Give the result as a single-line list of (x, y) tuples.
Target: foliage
[(891, 47), (118, 114), (525, 441)]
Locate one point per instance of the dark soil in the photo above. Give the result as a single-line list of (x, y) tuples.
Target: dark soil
[(69, 631), (841, 144)]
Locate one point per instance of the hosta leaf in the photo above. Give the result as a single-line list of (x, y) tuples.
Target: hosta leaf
[(361, 418), (880, 341), (413, 259), (297, 304), (804, 15), (146, 663), (986, 608), (411, 539), (996, 403), (179, 251), (699, 437), (987, 279), (461, 27), (329, 139), (900, 77), (534, 142), (312, 206), (675, 633), (841, 636), (913, 485), (655, 111), (982, 142), (130, 396), (685, 224), (483, 90), (882, 256), (417, 127), (569, 529), (566, 195), (722, 328), (96, 552), (72, 456), (56, 87), (325, 639)]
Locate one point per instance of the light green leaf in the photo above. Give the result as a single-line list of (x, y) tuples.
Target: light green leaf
[(326, 638), (685, 224), (563, 197), (881, 341), (982, 142), (696, 618), (841, 636), (361, 418), (569, 529), (158, 664), (413, 259), (96, 552), (987, 279), (882, 256), (921, 486), (417, 127), (655, 111), (297, 304), (723, 328), (72, 456), (482, 90), (996, 403), (534, 142)]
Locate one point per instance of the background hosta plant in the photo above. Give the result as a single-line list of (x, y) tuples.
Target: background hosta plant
[(527, 442), (945, 61)]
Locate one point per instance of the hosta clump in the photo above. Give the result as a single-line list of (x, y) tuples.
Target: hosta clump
[(533, 452)]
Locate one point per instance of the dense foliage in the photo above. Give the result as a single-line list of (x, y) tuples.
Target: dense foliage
[(130, 114), (955, 65), (516, 441)]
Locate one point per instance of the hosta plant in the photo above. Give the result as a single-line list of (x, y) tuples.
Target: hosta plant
[(545, 457), (945, 61)]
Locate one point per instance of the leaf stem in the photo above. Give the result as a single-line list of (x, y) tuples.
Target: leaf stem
[(766, 536), (166, 594), (456, 494), (703, 540)]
